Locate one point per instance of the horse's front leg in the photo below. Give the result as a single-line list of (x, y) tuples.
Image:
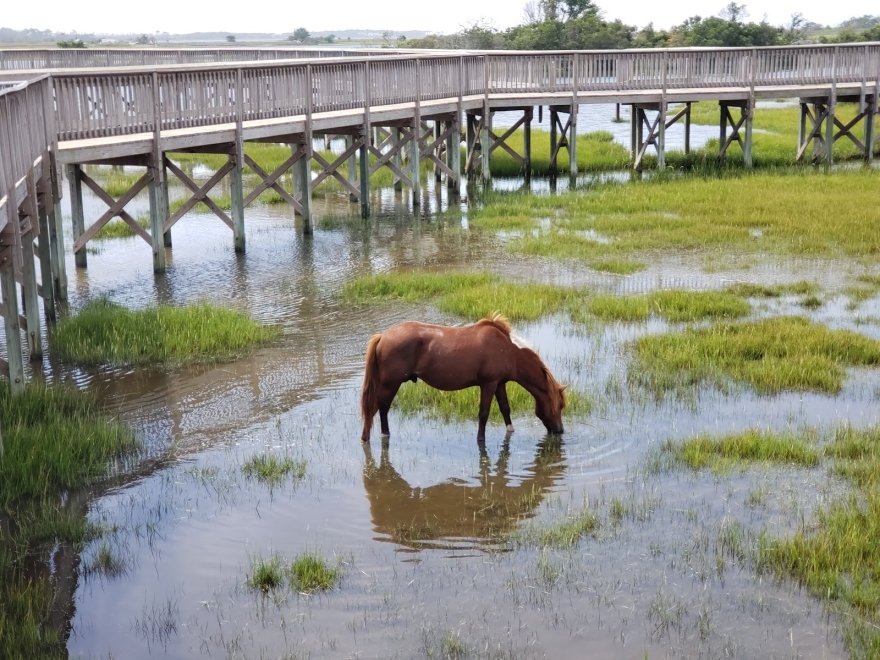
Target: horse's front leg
[(504, 405), (486, 394)]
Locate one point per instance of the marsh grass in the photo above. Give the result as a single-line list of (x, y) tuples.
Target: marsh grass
[(266, 574), (770, 355), (310, 572), (55, 441), (754, 290), (673, 305), (106, 333), (118, 228), (468, 294), (748, 446), (272, 469), (595, 151), (459, 405), (763, 212), (838, 556)]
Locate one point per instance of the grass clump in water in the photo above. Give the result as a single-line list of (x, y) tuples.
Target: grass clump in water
[(410, 286), (106, 333), (470, 295), (54, 441), (266, 574), (563, 534), (751, 445), (310, 573), (771, 355), (271, 469), (838, 557), (673, 305), (422, 399)]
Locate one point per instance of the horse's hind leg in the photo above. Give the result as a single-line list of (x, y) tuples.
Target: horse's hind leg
[(486, 394), (386, 396), (504, 405)]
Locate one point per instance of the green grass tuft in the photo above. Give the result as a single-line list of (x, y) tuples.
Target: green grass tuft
[(310, 573), (752, 445), (771, 355), (563, 534), (672, 305), (266, 574), (105, 333), (272, 470)]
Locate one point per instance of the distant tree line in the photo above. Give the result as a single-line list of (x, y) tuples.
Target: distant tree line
[(578, 25)]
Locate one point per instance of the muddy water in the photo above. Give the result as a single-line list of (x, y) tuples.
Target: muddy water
[(425, 530)]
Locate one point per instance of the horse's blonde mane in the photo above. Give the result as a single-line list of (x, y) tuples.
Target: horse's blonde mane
[(498, 320)]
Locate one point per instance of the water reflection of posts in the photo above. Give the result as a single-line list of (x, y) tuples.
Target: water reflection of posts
[(458, 514)]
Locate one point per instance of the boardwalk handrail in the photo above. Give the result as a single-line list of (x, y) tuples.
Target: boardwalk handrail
[(24, 142), (19, 59), (113, 102)]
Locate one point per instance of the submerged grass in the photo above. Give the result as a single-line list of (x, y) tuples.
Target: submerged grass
[(105, 333), (771, 355), (562, 534), (310, 573)]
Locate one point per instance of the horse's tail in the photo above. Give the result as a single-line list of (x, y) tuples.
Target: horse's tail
[(369, 392)]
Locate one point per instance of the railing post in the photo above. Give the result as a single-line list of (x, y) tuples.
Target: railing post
[(303, 165)]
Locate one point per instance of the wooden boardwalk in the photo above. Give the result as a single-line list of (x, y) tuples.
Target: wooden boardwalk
[(134, 107)]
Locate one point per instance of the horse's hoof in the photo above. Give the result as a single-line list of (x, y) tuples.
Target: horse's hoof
[(510, 428)]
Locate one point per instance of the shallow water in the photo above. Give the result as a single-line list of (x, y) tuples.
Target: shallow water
[(432, 534)]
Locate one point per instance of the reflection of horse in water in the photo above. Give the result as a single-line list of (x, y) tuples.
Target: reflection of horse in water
[(458, 514)]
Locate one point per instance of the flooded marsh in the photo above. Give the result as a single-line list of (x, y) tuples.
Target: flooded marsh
[(255, 483)]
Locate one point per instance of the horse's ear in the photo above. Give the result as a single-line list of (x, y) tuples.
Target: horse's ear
[(562, 388)]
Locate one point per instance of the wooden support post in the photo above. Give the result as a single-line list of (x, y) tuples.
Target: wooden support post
[(364, 159), (870, 111), (351, 167), (485, 144), (44, 247), (166, 234), (77, 213), (661, 136), (396, 158), (236, 192), (12, 327), (634, 126), (303, 178), (687, 128), (453, 155), (527, 146), (415, 164), (158, 214), (572, 145), (802, 127), (56, 241), (438, 131), (749, 111), (470, 143), (30, 295), (829, 131), (553, 142)]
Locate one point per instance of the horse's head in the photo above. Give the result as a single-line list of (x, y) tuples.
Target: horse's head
[(549, 408)]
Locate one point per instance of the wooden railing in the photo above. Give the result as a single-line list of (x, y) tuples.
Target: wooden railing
[(26, 136), (80, 58), (125, 101)]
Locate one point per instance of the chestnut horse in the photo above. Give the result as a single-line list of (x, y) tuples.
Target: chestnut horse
[(452, 358)]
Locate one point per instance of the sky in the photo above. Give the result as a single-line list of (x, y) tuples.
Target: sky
[(284, 16)]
